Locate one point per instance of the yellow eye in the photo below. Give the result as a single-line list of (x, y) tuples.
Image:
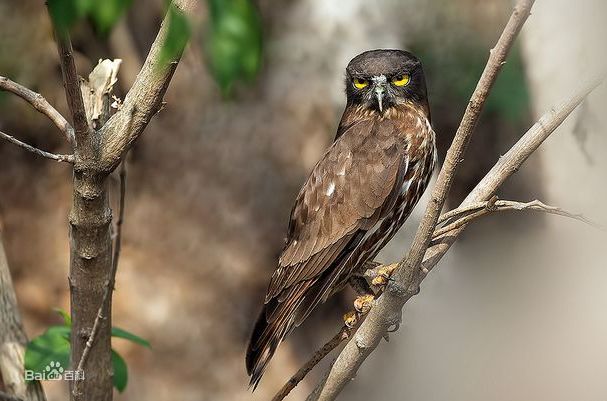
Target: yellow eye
[(360, 83), (401, 80)]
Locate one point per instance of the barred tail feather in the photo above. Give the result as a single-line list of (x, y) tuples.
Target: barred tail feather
[(274, 323)]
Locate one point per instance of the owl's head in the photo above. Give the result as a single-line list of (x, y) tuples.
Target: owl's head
[(380, 79)]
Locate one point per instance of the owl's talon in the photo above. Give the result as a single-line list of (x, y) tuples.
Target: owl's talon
[(351, 319), (363, 303), (384, 275)]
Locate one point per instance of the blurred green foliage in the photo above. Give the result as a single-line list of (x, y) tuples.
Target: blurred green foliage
[(102, 13), (233, 42), (53, 346)]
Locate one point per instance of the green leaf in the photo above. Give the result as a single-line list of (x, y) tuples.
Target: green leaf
[(121, 333), (67, 319), (105, 13), (178, 34), (52, 346), (121, 376), (233, 42)]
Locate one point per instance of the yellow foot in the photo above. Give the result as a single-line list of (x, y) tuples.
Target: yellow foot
[(351, 319), (383, 275), (363, 303)]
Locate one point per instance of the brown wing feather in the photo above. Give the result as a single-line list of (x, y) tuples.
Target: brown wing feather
[(344, 193)]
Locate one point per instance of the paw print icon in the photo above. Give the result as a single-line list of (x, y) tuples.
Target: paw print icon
[(53, 371)]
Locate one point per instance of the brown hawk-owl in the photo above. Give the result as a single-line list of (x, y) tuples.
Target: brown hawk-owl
[(358, 195)]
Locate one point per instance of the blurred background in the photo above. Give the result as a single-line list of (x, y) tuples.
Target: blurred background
[(516, 310)]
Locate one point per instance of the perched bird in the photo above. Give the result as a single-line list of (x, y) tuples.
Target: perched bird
[(358, 195)]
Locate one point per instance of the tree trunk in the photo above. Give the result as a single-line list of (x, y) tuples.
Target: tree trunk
[(90, 265)]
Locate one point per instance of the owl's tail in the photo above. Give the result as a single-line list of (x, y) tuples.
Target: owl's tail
[(276, 320)]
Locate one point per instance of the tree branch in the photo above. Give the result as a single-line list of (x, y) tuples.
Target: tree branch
[(42, 105), (73, 95), (12, 342), (318, 356), (509, 163), (30, 148), (144, 99), (462, 216), (388, 309)]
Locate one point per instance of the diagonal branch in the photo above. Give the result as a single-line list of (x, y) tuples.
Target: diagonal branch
[(42, 105), (509, 163), (73, 94), (30, 148), (144, 99), (344, 333), (387, 312)]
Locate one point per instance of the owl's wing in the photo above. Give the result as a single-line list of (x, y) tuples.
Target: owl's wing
[(351, 188)]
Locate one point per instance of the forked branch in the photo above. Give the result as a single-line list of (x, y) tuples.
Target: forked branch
[(144, 99)]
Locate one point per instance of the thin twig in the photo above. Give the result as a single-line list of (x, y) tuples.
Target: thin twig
[(388, 309), (30, 148), (105, 304), (452, 214), (42, 105), (318, 356), (468, 214)]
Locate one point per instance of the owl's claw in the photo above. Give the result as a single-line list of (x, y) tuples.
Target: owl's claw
[(363, 303), (384, 275), (351, 319)]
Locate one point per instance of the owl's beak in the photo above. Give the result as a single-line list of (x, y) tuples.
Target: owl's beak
[(379, 86), (379, 93)]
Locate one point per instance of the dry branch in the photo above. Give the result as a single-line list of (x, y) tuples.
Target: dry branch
[(42, 105), (318, 356), (13, 341), (388, 309), (39, 152), (462, 216), (509, 163)]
